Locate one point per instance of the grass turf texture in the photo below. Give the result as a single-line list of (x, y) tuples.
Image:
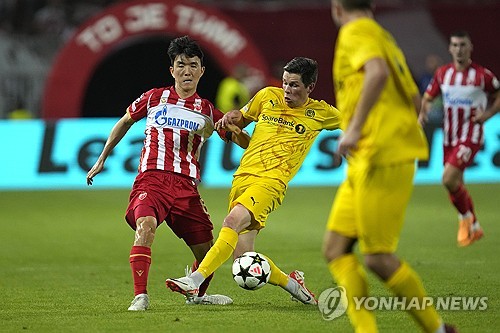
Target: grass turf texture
[(64, 265)]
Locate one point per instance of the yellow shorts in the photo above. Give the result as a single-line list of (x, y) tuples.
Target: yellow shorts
[(259, 195), (370, 205)]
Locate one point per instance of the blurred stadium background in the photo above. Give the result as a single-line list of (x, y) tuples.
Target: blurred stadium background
[(65, 64), (71, 68), (33, 34)]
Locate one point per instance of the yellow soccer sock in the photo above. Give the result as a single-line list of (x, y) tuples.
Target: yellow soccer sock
[(221, 251), (405, 282), (277, 278), (348, 273)]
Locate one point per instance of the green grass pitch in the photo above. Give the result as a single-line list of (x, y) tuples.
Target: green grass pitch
[(64, 265)]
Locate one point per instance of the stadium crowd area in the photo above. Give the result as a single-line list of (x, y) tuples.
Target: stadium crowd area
[(32, 32)]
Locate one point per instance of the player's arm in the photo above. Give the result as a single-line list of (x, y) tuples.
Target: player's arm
[(117, 133), (238, 136), (425, 108), (234, 122), (417, 102), (234, 117), (376, 74), (481, 117)]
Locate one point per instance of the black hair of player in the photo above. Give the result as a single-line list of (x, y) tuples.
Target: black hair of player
[(357, 4), (307, 69), (461, 34), (184, 45)]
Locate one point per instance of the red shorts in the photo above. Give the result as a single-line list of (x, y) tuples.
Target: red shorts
[(172, 198), (460, 156)]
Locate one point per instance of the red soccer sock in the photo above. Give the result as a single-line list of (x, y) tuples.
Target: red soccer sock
[(461, 200), (140, 260), (204, 286)]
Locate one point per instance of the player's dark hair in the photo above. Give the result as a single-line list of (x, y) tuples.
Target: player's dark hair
[(460, 34), (184, 45), (305, 67), (356, 4)]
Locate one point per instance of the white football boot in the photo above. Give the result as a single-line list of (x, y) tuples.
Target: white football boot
[(139, 303), (302, 294), (209, 300)]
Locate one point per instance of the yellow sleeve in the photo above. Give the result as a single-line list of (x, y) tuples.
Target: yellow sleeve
[(333, 119)]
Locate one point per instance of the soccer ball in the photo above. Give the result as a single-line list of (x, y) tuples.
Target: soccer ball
[(251, 270)]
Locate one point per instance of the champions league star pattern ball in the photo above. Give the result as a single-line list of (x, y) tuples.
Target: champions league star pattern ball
[(251, 270)]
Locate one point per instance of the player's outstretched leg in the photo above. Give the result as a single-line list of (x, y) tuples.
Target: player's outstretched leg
[(301, 293), (202, 297), (215, 257), (293, 283), (184, 285)]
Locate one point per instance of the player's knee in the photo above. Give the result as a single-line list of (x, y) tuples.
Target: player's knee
[(336, 246), (373, 263), (233, 222), (450, 183), (384, 265), (145, 231), (238, 219), (330, 252)]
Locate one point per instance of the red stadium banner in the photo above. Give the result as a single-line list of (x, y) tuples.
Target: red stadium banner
[(127, 23)]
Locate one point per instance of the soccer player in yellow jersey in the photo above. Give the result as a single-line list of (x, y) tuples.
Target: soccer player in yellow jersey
[(381, 141), (287, 123)]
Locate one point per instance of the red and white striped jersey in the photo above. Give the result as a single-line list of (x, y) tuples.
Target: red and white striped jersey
[(175, 131), (463, 93)]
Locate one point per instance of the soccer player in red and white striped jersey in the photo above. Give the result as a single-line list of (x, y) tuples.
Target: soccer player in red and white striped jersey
[(178, 122), (466, 87)]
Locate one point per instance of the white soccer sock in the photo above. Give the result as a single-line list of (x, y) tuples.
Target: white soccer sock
[(464, 216), (441, 329), (475, 226), (197, 278), (292, 286)]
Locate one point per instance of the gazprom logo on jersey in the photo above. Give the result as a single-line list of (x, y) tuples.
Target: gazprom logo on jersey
[(456, 100), (162, 119)]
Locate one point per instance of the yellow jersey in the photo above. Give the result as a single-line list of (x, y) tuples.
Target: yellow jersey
[(282, 136), (391, 132)]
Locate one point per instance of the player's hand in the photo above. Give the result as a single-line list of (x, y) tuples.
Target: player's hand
[(233, 128), (422, 118), (348, 142), (479, 116), (218, 125), (230, 118), (97, 168), (337, 159)]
